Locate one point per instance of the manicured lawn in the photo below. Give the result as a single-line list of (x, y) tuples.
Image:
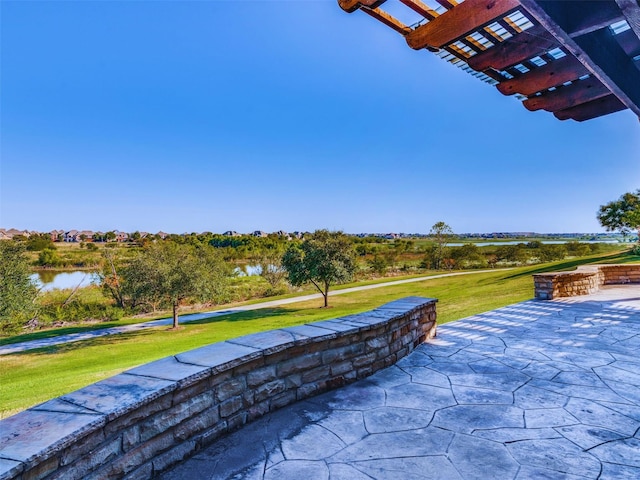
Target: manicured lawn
[(38, 375)]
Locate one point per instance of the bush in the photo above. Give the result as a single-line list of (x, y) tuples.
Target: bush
[(275, 291), (378, 264), (37, 243), (49, 258)]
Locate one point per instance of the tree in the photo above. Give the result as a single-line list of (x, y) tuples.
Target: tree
[(468, 256), (441, 234), (36, 243), (49, 258), (323, 259), (172, 273), (271, 268), (378, 264), (622, 215), (17, 292), (110, 279)]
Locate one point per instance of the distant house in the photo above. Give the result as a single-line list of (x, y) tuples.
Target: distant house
[(259, 233), (121, 236), (71, 236), (56, 235), (85, 236), (162, 235), (231, 233), (3, 234), (14, 232)]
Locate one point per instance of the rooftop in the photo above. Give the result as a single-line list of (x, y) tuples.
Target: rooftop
[(533, 390), (577, 59)]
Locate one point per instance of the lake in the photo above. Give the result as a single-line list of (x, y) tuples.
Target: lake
[(48, 280), (516, 242)]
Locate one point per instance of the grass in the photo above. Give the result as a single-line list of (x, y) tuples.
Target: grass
[(89, 293), (35, 376)]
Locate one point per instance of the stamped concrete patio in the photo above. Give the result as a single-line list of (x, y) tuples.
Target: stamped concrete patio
[(536, 390)]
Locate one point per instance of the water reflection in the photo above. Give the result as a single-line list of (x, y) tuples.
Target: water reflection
[(47, 280), (247, 270)]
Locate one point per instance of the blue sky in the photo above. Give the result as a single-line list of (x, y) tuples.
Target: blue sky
[(245, 115)]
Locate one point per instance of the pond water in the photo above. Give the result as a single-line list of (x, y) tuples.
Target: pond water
[(47, 280), (247, 270), (516, 242)]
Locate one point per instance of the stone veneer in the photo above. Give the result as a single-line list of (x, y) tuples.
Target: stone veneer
[(141, 422), (585, 280)]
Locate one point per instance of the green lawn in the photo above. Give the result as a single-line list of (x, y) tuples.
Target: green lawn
[(32, 377)]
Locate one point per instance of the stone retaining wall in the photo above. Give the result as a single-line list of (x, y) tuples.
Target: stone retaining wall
[(142, 421), (584, 280)]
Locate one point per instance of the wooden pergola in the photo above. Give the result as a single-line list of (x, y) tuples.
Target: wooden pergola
[(579, 59)]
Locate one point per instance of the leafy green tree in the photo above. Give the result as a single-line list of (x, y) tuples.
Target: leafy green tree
[(36, 243), (441, 234), (577, 249), (551, 252), (110, 236), (622, 215), (49, 258), (17, 292), (323, 259), (378, 264), (518, 254), (468, 256), (172, 273)]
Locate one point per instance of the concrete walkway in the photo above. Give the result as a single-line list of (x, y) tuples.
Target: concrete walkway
[(77, 337), (536, 390)]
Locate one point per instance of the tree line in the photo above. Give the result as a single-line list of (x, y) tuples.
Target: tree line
[(184, 269)]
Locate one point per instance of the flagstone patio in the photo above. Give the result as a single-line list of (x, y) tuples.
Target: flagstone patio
[(535, 390)]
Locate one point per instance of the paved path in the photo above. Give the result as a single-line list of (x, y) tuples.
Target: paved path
[(536, 390), (76, 337)]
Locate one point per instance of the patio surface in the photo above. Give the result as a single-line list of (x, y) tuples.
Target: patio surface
[(535, 390)]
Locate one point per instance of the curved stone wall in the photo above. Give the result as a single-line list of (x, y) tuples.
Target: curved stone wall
[(141, 422), (585, 280)]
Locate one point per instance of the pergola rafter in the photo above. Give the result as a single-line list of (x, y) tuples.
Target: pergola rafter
[(578, 59)]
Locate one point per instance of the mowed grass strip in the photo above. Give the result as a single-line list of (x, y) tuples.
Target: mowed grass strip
[(35, 376)]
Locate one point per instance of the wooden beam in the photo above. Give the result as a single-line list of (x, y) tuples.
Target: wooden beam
[(550, 75), (388, 20), (582, 91), (631, 11), (458, 22), (420, 8), (606, 52), (593, 109), (629, 42), (591, 16), (538, 9), (514, 50), (448, 4), (578, 17), (353, 5)]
